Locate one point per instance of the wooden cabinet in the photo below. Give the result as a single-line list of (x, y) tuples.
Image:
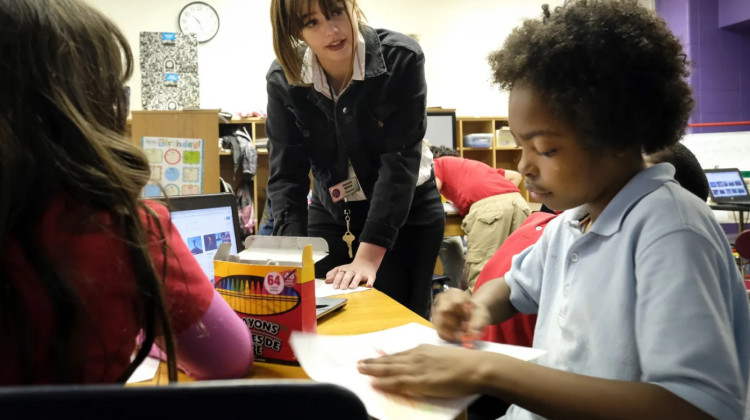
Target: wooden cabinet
[(496, 156), (204, 124), (193, 124)]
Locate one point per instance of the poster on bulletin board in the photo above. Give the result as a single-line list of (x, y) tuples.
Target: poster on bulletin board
[(176, 165)]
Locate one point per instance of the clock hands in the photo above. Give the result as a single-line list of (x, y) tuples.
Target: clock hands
[(206, 20), (200, 25)]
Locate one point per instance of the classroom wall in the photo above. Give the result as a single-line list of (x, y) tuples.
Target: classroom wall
[(734, 12), (455, 35), (232, 66), (720, 61)]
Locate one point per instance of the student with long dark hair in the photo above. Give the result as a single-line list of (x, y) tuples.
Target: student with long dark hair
[(348, 102), (85, 266)]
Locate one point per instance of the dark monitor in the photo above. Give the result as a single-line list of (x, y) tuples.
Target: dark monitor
[(441, 128)]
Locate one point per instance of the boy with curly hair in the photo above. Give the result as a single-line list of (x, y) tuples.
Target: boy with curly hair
[(640, 304)]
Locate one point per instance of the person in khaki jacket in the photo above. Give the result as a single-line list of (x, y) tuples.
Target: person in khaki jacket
[(487, 198)]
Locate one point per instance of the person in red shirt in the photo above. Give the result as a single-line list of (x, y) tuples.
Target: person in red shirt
[(90, 275), (487, 198)]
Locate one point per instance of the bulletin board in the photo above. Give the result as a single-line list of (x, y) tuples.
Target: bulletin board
[(176, 165), (169, 71)]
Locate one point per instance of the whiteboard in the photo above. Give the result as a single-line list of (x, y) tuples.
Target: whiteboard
[(441, 129), (720, 150)]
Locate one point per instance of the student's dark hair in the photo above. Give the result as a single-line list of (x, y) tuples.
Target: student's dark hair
[(287, 24), (611, 69), (440, 151), (63, 112), (688, 171)]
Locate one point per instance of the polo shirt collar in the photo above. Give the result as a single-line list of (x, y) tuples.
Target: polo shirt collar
[(642, 184)]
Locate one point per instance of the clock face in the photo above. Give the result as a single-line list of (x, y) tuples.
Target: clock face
[(201, 19)]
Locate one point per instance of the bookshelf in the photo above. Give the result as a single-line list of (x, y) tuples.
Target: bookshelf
[(496, 155), (256, 126)]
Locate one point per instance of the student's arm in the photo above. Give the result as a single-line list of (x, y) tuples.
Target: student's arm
[(445, 372), (449, 372), (456, 314), (514, 177), (219, 332), (203, 323), (438, 183)]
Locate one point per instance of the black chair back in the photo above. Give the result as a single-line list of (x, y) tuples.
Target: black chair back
[(207, 400)]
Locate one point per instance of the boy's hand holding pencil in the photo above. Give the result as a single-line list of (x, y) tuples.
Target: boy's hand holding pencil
[(459, 319)]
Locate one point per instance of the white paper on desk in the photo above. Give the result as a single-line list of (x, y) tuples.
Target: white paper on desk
[(145, 371), (324, 290), (450, 208), (333, 359)]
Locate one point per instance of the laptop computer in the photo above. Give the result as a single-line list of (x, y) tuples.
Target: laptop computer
[(326, 305), (727, 186), (205, 221)]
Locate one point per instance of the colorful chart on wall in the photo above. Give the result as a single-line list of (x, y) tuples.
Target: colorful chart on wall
[(176, 165)]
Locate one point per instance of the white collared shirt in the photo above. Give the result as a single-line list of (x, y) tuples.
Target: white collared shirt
[(313, 73)]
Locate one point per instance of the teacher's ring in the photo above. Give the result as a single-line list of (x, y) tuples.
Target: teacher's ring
[(342, 270)]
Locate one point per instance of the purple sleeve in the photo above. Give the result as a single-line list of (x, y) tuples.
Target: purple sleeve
[(218, 346)]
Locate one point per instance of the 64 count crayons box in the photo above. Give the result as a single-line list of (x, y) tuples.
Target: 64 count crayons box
[(271, 286)]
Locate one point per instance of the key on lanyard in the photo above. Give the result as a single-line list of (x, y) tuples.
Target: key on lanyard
[(348, 236)]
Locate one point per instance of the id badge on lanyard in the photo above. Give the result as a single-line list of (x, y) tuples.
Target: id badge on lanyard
[(339, 192), (344, 189)]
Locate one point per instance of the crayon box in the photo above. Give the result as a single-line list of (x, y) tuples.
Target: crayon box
[(271, 286)]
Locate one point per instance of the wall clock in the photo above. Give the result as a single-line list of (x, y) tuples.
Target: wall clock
[(199, 18)]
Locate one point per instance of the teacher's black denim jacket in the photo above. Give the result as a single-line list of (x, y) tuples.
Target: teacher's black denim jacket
[(378, 123)]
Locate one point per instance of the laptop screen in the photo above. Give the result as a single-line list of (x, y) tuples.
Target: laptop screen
[(204, 222), (726, 183)]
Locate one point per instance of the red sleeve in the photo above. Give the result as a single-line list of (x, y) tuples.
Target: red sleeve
[(437, 166), (188, 290), (501, 171), (519, 330)]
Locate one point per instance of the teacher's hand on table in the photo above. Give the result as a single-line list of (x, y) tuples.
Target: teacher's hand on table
[(350, 276), (362, 270)]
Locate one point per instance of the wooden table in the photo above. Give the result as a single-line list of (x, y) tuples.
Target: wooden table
[(365, 312), (453, 225)]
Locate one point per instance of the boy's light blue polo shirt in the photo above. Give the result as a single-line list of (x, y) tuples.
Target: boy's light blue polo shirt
[(651, 293)]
